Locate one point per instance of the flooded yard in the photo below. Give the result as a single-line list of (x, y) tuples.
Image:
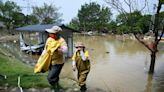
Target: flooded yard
[(121, 66), (116, 65)]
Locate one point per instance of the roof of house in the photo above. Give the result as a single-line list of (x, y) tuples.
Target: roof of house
[(41, 28)]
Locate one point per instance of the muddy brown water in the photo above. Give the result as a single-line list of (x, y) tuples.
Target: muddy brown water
[(121, 66), (117, 65)]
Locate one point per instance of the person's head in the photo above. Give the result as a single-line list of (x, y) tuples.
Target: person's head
[(54, 32), (79, 46)]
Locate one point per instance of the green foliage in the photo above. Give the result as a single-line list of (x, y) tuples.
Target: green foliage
[(11, 15), (7, 13), (162, 1), (13, 68), (133, 18), (136, 22), (93, 17), (18, 20), (129, 18), (161, 19), (112, 26), (31, 19), (133, 22), (47, 14), (121, 19), (122, 29), (74, 24), (144, 23)]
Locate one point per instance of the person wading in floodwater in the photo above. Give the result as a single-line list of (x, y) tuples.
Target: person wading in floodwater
[(57, 60), (81, 62)]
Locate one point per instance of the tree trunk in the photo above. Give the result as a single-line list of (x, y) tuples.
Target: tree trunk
[(152, 64)]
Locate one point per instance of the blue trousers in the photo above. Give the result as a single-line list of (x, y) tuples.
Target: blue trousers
[(53, 74)]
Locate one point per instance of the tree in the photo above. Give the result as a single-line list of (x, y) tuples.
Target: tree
[(112, 26), (93, 17), (129, 20), (31, 19), (152, 46), (7, 13), (161, 19), (74, 23), (144, 23), (47, 14), (18, 19)]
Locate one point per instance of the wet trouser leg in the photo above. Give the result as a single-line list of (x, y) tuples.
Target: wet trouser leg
[(53, 75), (82, 76)]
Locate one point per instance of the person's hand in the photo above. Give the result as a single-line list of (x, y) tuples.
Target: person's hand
[(79, 48), (74, 68), (60, 50)]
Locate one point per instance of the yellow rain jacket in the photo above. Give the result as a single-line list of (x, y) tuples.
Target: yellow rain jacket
[(50, 56), (83, 67)]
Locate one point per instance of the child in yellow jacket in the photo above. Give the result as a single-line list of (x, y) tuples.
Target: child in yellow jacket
[(82, 64)]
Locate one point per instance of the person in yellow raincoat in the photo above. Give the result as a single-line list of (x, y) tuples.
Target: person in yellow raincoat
[(57, 45), (81, 62)]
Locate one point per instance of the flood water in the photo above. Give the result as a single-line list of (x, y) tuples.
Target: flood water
[(120, 66), (116, 65)]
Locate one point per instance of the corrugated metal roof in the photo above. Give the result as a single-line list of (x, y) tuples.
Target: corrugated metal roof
[(41, 28), (35, 28)]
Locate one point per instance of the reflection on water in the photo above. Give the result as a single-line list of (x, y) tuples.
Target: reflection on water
[(155, 83), (149, 83), (119, 66)]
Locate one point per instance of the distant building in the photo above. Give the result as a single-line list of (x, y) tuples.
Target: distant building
[(33, 37)]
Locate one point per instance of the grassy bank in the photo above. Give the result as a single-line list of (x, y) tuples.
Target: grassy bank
[(13, 68)]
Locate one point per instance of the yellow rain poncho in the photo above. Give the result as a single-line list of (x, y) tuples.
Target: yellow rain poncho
[(44, 60)]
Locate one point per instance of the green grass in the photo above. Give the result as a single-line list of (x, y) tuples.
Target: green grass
[(14, 68)]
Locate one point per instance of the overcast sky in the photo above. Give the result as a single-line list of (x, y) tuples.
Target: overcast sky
[(69, 8)]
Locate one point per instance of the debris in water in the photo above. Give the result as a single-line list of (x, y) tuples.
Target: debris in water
[(107, 52)]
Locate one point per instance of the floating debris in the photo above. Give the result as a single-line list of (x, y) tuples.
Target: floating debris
[(107, 52)]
